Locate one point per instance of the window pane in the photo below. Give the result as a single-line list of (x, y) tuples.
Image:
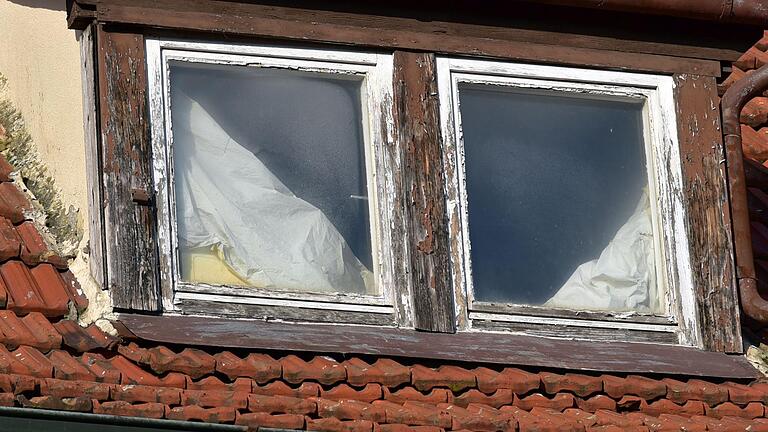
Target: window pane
[(558, 207), (270, 179)]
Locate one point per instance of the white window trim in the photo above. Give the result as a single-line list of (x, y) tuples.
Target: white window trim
[(674, 269), (376, 72)]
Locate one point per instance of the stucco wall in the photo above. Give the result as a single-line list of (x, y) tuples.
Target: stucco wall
[(40, 58)]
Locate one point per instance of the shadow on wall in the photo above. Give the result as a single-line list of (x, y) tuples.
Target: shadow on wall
[(56, 5)]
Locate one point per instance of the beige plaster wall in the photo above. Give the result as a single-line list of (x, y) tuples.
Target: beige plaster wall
[(40, 58)]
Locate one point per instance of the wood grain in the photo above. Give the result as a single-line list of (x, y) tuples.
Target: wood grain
[(418, 129), (428, 34), (708, 224), (492, 348), (131, 247)]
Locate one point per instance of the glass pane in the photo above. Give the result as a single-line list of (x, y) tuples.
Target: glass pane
[(559, 214), (270, 179)]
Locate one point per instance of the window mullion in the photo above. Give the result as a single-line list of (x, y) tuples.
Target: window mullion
[(422, 190)]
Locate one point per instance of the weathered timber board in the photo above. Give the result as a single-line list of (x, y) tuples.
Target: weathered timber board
[(493, 348), (706, 198), (131, 249), (418, 129)]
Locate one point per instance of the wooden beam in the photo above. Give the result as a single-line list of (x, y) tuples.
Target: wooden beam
[(388, 32), (492, 348), (93, 172), (131, 247), (708, 210), (418, 129)]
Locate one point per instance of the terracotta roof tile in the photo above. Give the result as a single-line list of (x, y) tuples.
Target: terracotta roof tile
[(51, 288), (336, 425), (261, 367), (281, 405), (520, 382), (74, 291), (558, 402), (122, 408), (197, 413), (595, 403), (452, 377), (214, 398), (645, 388), (27, 296), (369, 393), (499, 398), (321, 369), (437, 395), (666, 406), (680, 392), (82, 339), (34, 249), (752, 410), (10, 243), (350, 410), (306, 390), (742, 395), (72, 388), (580, 385), (193, 362), (66, 367), (386, 372), (13, 204), (141, 393), (53, 403), (102, 370), (30, 361), (259, 420), (5, 170), (214, 383)]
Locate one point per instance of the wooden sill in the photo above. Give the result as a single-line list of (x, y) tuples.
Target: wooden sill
[(494, 348)]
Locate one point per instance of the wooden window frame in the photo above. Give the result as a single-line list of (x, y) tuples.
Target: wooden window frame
[(375, 73), (118, 142), (664, 177)]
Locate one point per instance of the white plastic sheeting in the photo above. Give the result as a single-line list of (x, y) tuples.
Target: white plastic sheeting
[(623, 278), (227, 200)]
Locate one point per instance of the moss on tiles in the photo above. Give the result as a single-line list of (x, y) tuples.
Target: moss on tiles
[(17, 146)]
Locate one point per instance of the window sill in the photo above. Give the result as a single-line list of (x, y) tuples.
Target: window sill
[(494, 348)]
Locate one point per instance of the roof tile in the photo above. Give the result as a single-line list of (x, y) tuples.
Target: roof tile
[(123, 408), (213, 383), (77, 337), (45, 337), (415, 414), (34, 250), (321, 369), (264, 420), (13, 203), (336, 425), (142, 393), (350, 410), (194, 362), (51, 287), (74, 291), (261, 367), (369, 393), (752, 410), (595, 403), (7, 399), (307, 389), (559, 402), (666, 406), (437, 395), (645, 388), (520, 382), (452, 377), (102, 369), (68, 368), (25, 292), (81, 404), (386, 372), (742, 395), (680, 392), (5, 170), (281, 405), (499, 398), (10, 243), (67, 388), (197, 413), (580, 385), (214, 398), (30, 361)]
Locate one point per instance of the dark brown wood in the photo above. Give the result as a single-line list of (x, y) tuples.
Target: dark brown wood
[(131, 247), (409, 34), (79, 15), (96, 254), (467, 347), (706, 200), (417, 125), (287, 313), (579, 332)]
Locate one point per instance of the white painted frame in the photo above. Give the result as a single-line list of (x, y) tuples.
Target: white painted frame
[(375, 72), (673, 266)]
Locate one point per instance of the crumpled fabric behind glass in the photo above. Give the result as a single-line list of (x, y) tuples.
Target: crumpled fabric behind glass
[(623, 278), (227, 199)]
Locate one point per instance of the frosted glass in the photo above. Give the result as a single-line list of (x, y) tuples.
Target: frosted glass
[(552, 181), (284, 205)]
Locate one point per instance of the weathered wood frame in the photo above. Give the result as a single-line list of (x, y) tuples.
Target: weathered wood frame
[(664, 180), (694, 66), (374, 71)]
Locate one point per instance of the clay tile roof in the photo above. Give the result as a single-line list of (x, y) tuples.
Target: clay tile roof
[(48, 361)]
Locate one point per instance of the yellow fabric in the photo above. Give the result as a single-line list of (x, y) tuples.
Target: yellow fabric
[(207, 266)]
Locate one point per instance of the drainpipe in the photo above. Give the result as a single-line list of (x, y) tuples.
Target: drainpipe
[(733, 101)]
